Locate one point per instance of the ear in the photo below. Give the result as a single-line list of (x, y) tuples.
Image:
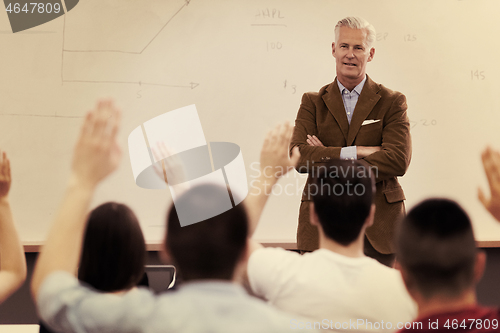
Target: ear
[(369, 220), (372, 54), (313, 217), (479, 265), (333, 49)]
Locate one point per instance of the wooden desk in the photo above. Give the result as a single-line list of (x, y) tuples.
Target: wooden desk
[(286, 244)]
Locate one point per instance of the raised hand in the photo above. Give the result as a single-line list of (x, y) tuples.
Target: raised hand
[(491, 164), (274, 159), (97, 152), (5, 178), (172, 169)]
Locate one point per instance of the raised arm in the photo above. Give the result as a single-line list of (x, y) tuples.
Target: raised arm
[(274, 163), (95, 156), (491, 163), (12, 260)]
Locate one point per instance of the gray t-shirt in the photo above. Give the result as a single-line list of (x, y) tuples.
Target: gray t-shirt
[(214, 306)]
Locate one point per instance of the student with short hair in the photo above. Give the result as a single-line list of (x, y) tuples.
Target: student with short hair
[(336, 284), (209, 300), (208, 250), (441, 266), (12, 260)]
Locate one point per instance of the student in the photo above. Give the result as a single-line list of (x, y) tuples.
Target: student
[(114, 251), (337, 283), (209, 300), (12, 260), (441, 266)]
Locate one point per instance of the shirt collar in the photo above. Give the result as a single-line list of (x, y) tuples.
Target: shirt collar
[(357, 89)]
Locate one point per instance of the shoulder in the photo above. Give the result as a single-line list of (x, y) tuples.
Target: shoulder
[(390, 274), (268, 267), (392, 96), (273, 255), (65, 304), (317, 95), (383, 91)]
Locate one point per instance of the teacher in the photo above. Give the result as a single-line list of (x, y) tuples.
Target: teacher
[(355, 118)]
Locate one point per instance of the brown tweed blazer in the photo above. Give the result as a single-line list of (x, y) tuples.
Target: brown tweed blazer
[(323, 114)]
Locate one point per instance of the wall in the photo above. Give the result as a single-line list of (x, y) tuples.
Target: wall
[(245, 65)]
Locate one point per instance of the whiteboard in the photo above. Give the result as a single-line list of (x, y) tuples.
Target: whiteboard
[(245, 64)]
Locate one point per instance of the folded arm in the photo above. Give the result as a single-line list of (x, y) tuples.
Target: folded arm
[(305, 125), (394, 157), (390, 159)]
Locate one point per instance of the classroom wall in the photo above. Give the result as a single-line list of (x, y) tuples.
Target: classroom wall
[(245, 64)]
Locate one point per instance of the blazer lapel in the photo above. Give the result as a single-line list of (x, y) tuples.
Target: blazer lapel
[(335, 105), (367, 99)]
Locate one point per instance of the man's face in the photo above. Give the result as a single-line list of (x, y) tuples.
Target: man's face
[(351, 54)]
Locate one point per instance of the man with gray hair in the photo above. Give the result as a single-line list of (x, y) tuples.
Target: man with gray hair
[(355, 118)]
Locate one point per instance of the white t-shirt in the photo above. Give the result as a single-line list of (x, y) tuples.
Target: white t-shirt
[(347, 293)]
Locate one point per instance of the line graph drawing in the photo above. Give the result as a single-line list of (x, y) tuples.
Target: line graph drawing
[(190, 85)]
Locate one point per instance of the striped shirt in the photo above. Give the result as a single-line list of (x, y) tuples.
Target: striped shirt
[(350, 98)]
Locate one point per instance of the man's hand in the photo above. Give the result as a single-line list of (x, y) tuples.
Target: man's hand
[(274, 163), (491, 163), (274, 159), (364, 151), (5, 178), (172, 169), (97, 152), (95, 156), (312, 140), (13, 262)]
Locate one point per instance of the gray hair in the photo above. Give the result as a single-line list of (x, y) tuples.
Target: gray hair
[(356, 23)]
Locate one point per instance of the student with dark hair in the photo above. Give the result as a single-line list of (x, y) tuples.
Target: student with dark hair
[(197, 250), (441, 266), (114, 251), (12, 260), (209, 254), (337, 284)]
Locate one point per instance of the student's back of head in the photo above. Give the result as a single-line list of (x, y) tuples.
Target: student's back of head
[(114, 251), (210, 249), (342, 193), (436, 249)]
